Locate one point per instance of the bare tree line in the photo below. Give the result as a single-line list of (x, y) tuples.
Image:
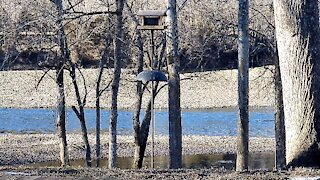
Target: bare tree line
[(76, 29)]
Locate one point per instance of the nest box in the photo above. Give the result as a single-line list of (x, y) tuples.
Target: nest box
[(152, 19)]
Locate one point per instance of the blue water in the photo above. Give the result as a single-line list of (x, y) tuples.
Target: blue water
[(220, 122)]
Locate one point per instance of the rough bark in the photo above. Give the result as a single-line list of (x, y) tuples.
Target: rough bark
[(175, 129), (61, 120), (279, 117), (297, 32), (115, 86), (243, 90)]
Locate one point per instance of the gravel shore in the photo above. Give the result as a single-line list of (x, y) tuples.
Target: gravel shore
[(204, 90), (29, 148)]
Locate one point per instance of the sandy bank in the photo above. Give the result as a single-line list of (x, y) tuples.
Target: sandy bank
[(27, 148), (19, 89)]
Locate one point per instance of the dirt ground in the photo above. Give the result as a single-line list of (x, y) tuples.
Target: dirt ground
[(18, 150), (97, 173)]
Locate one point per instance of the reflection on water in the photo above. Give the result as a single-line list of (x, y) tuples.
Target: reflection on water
[(216, 122), (256, 161)]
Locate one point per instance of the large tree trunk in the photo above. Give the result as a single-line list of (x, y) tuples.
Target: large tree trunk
[(175, 129), (61, 121), (115, 87), (243, 90), (297, 31), (279, 117)]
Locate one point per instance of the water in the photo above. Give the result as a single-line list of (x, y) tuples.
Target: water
[(218, 122), (263, 161)]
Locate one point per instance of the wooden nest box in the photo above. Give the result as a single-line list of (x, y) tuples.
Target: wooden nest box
[(152, 19)]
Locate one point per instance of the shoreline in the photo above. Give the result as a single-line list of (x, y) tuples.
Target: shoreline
[(199, 90), (226, 108), (37, 147)]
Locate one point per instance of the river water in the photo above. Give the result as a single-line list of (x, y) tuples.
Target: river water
[(217, 122)]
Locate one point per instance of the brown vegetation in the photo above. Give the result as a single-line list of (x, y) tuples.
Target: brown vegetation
[(207, 30)]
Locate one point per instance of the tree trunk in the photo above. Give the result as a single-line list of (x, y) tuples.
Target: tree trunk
[(80, 114), (115, 87), (175, 130), (143, 138), (279, 117), (243, 90), (102, 63), (61, 121), (98, 116), (297, 31), (138, 159)]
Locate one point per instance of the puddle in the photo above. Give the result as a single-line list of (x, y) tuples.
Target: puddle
[(256, 161)]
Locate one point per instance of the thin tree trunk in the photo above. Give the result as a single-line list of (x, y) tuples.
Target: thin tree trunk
[(143, 133), (98, 116), (137, 163), (279, 118), (115, 87), (243, 90), (298, 41), (175, 129), (80, 115), (61, 121), (102, 63), (143, 138)]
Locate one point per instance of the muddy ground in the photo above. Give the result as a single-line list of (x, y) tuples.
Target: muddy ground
[(19, 150)]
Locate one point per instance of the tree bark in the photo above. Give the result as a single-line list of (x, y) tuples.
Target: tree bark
[(80, 114), (99, 91), (175, 129), (243, 90), (297, 32), (115, 87), (279, 117), (61, 120), (143, 138)]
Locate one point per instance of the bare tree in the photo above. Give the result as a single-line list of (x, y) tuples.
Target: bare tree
[(243, 87), (105, 57), (115, 85), (61, 122), (298, 41), (138, 136), (175, 129), (80, 112)]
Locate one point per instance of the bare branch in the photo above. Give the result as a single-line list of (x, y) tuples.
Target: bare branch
[(40, 80)]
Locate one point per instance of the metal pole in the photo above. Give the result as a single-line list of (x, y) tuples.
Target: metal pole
[(153, 128), (152, 104)]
